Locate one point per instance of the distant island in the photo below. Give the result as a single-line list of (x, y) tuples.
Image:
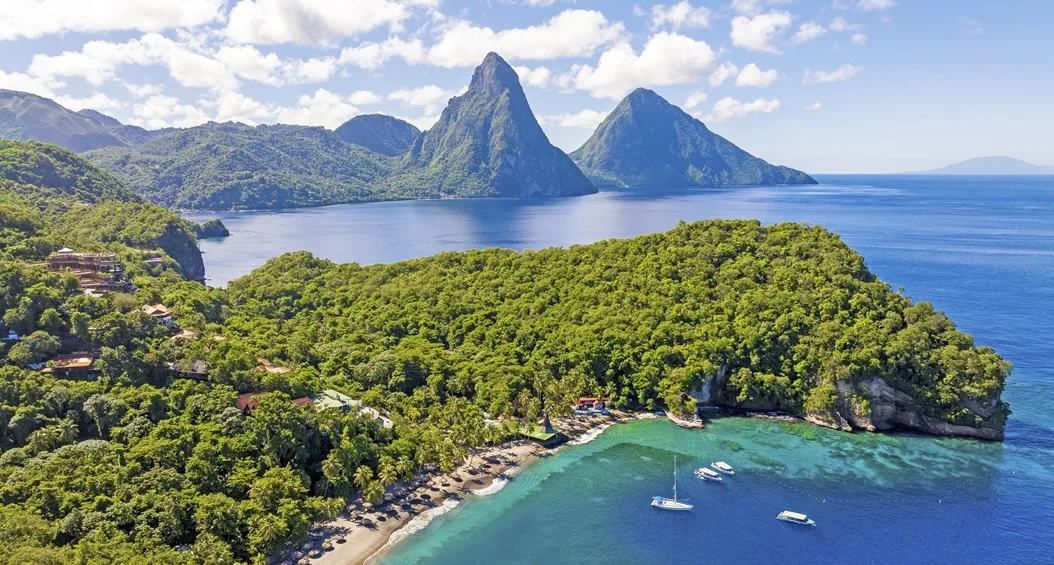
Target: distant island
[(487, 143), (997, 165)]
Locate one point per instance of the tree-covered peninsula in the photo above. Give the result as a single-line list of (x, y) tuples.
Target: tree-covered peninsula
[(146, 418)]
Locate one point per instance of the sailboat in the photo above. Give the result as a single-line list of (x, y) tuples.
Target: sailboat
[(664, 503)]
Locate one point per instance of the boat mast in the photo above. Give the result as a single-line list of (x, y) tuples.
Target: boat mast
[(675, 478)]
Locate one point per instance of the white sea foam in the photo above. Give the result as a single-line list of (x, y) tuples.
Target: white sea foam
[(421, 521), (498, 484), (590, 435)]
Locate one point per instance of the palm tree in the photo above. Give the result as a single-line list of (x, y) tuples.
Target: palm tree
[(363, 476), (373, 492), (405, 467), (67, 431), (387, 473), (333, 471)]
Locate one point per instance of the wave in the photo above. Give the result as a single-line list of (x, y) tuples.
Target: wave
[(498, 484), (418, 523), (590, 435)]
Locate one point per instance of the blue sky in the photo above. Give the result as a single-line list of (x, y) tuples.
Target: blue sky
[(825, 86)]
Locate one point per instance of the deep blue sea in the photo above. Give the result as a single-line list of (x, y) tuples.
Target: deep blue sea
[(980, 248)]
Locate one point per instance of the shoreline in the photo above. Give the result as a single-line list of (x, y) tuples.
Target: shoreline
[(361, 535)]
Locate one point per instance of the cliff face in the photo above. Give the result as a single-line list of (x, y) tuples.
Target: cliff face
[(873, 405), (182, 246)]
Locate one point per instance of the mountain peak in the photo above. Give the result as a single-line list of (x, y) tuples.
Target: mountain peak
[(646, 141), (494, 73)]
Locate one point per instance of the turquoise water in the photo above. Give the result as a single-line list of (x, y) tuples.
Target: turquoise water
[(980, 248)]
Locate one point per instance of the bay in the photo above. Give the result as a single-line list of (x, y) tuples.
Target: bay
[(980, 248)]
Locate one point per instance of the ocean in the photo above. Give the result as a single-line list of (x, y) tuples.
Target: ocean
[(979, 248)]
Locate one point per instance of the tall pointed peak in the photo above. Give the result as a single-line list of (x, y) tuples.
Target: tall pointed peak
[(494, 72), (644, 97)]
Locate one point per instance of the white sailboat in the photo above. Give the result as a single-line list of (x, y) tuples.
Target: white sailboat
[(664, 503)]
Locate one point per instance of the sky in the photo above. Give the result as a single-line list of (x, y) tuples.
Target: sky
[(826, 86)]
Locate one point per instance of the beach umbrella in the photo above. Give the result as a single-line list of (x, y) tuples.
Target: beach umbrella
[(368, 506), (430, 484), (388, 497)]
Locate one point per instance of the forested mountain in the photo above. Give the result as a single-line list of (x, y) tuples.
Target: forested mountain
[(379, 133), (149, 458), (648, 142), (25, 117), (234, 166), (52, 198), (488, 143)]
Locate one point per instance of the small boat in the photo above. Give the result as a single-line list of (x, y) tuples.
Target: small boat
[(723, 467), (663, 503), (795, 518), (707, 474)]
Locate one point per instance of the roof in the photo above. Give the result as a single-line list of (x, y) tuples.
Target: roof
[(248, 401), (266, 365), (156, 310), (67, 361), (794, 515), (330, 398), (65, 250)]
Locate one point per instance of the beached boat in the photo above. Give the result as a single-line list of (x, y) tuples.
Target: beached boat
[(723, 467), (707, 474), (664, 503), (795, 518)]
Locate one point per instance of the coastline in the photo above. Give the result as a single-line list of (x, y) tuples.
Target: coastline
[(359, 536)]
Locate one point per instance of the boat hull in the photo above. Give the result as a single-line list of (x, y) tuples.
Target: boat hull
[(670, 504)]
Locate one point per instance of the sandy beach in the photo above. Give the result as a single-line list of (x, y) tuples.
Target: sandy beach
[(362, 532)]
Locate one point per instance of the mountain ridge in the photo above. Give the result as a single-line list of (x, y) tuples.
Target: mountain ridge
[(648, 142)]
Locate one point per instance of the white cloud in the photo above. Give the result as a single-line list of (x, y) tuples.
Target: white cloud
[(537, 77), (859, 38), (363, 98), (694, 99), (721, 74), (97, 101), (142, 90), (248, 62), (424, 122), (844, 72), (584, 119), (808, 31), (371, 55), (839, 25), (323, 108), (667, 59), (757, 33), (752, 75), (539, 2), (728, 108), (235, 107), (160, 111), (571, 33), (871, 5), (814, 106), (37, 18), (32, 84), (681, 14), (428, 97), (748, 7), (312, 22), (97, 61)]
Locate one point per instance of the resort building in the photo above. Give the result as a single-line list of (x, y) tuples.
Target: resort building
[(97, 273), (330, 398), (159, 313), (80, 364)]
